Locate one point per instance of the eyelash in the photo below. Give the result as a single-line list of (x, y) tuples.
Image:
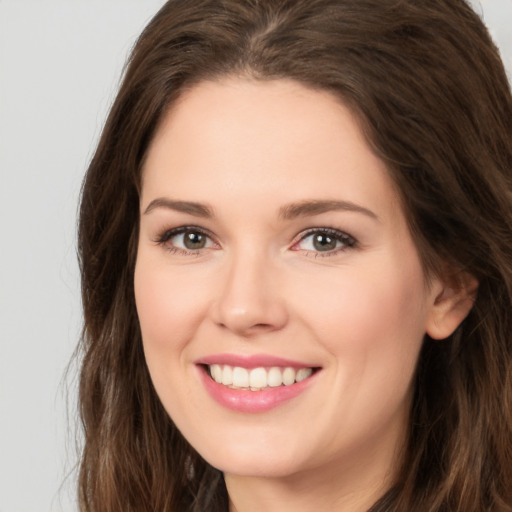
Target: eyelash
[(347, 241), (164, 238)]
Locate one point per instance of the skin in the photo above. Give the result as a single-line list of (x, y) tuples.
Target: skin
[(246, 150)]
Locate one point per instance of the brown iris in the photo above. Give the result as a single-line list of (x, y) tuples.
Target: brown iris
[(194, 240), (323, 242)]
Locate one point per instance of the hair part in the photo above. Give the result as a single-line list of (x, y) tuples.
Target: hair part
[(428, 87)]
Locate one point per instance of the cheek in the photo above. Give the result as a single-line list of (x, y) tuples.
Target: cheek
[(168, 306), (169, 313), (370, 315), (372, 325)]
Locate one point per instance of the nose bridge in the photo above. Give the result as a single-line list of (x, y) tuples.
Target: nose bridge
[(249, 300)]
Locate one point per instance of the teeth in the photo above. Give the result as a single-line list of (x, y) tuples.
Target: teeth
[(302, 374), (288, 376), (240, 377), (274, 377), (227, 375), (216, 372), (256, 379)]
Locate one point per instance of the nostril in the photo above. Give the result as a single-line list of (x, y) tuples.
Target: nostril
[(246, 313)]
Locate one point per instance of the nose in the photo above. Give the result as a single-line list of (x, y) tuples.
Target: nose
[(251, 299)]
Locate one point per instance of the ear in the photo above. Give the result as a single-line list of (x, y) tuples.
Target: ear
[(453, 296)]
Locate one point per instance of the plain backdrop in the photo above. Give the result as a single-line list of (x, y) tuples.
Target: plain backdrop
[(60, 63)]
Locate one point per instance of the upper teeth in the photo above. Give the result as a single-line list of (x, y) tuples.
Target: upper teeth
[(257, 378)]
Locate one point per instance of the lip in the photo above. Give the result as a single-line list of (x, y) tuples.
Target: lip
[(252, 361), (246, 401)]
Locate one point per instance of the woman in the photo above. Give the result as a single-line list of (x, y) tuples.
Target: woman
[(297, 264)]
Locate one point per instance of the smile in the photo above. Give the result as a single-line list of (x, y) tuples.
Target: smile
[(257, 379), (254, 384)]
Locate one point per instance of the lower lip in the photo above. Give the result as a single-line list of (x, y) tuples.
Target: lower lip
[(242, 400)]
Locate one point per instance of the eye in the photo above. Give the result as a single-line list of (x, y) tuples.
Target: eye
[(328, 241), (186, 240), (192, 239)]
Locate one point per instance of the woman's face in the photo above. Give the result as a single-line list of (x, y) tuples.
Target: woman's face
[(273, 249)]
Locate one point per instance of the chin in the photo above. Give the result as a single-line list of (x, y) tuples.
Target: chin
[(254, 461), (259, 467)]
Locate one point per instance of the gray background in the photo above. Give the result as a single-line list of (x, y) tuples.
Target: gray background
[(60, 62)]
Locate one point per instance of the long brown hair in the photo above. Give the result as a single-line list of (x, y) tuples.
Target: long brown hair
[(427, 84)]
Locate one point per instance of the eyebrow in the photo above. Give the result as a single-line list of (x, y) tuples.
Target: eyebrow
[(316, 207), (197, 209), (287, 212)]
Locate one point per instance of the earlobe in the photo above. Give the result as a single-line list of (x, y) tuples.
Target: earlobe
[(451, 304)]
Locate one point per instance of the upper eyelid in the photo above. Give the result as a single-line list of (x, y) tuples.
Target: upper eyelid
[(308, 231), (329, 231), (169, 233)]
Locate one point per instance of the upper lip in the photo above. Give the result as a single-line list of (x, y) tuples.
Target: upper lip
[(252, 361)]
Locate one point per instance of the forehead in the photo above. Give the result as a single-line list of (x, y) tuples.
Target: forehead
[(272, 140)]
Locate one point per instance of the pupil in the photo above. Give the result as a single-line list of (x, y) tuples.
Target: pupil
[(194, 240), (324, 243)]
